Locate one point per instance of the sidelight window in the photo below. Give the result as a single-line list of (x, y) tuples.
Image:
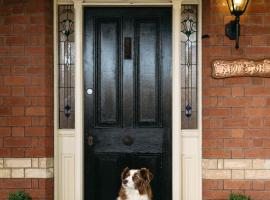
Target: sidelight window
[(66, 66), (189, 66)]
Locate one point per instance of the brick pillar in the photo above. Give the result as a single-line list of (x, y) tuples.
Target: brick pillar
[(236, 111), (26, 97)]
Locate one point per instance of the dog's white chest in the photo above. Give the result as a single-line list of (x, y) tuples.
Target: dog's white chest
[(135, 195)]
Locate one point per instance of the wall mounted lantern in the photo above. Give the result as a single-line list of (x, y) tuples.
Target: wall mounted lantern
[(232, 29)]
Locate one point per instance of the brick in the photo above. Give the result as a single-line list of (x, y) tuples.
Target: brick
[(16, 40), (237, 102), (5, 91), (4, 50), (235, 123), (17, 19), (216, 194), (17, 50), (5, 152), (5, 131), (257, 112), (17, 91), (18, 152), (238, 143), (255, 123), (237, 185), (18, 111), (38, 152), (34, 183), (217, 174), (261, 164), (38, 173), (210, 143), (237, 81), (238, 153), (45, 162), (17, 142), (19, 101), (17, 162), (35, 50), (36, 111), (16, 183), (237, 133), (212, 184), (20, 121), (218, 92), (37, 91), (17, 131), (35, 162), (217, 112), (258, 185), (257, 91), (257, 174), (220, 163), (256, 133), (5, 173), (238, 174), (237, 164), (36, 131), (209, 164), (17, 173), (257, 153), (16, 80), (216, 153)]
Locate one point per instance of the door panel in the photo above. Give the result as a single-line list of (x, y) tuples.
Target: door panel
[(147, 65), (127, 63), (107, 82)]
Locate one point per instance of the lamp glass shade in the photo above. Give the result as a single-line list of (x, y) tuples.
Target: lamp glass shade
[(237, 7)]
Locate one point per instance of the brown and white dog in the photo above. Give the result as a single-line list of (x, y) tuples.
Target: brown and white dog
[(135, 184)]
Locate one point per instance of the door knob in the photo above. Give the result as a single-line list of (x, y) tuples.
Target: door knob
[(90, 140), (89, 91), (128, 140)]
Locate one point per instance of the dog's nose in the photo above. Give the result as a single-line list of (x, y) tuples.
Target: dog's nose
[(125, 181)]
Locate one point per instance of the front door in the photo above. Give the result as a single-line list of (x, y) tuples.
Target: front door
[(127, 102)]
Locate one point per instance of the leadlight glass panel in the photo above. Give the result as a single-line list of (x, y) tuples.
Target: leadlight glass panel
[(189, 66), (66, 66)]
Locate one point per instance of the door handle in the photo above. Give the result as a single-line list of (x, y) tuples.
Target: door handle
[(128, 140), (90, 140)]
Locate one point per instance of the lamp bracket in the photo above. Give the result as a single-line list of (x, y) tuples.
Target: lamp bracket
[(231, 30)]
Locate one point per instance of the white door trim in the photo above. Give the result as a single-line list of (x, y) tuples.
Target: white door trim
[(78, 133)]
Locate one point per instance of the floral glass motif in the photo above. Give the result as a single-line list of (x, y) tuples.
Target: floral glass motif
[(189, 66), (66, 66)]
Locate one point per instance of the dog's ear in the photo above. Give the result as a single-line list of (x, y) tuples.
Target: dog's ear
[(146, 174), (124, 173)]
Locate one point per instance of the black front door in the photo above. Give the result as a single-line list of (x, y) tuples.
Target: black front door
[(127, 82)]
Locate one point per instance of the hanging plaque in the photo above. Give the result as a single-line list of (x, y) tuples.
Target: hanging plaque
[(241, 67)]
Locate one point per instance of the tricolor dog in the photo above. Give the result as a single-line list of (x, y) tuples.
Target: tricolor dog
[(135, 184)]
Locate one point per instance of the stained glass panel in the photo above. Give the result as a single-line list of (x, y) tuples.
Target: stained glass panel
[(66, 66), (189, 66)]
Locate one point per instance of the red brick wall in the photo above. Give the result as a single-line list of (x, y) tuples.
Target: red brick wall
[(236, 111), (26, 87), (41, 189)]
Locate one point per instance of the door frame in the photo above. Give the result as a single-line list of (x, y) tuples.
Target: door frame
[(77, 134)]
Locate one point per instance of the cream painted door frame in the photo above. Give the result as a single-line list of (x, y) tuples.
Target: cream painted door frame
[(69, 143)]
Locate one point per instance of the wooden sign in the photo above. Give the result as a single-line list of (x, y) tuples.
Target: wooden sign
[(241, 67)]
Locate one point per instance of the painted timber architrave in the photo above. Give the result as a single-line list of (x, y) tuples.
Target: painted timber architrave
[(68, 154)]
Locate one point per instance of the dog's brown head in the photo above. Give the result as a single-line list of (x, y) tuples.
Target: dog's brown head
[(138, 179)]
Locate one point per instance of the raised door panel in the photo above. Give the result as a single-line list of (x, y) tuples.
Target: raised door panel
[(148, 90), (107, 77)]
